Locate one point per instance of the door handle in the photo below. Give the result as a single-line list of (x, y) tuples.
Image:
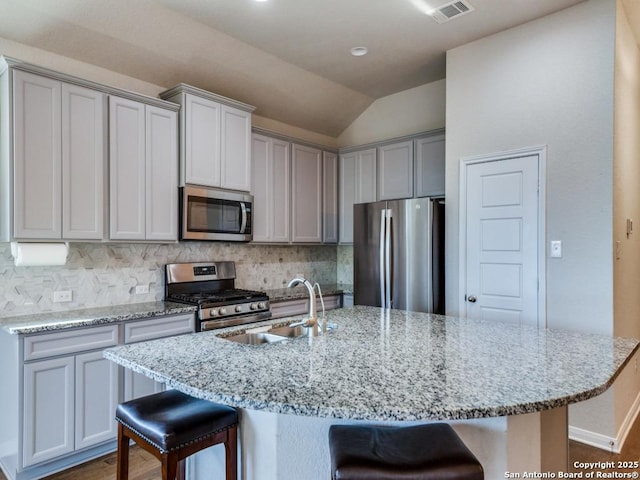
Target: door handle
[(472, 299)]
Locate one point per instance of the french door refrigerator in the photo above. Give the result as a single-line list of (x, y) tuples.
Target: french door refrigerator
[(398, 250)]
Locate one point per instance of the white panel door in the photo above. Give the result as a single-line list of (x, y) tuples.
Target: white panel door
[(38, 170), (83, 162), (366, 176), (260, 167), (127, 169), (48, 410), (502, 240), (202, 141), (235, 144), (96, 399), (306, 194), (161, 174)]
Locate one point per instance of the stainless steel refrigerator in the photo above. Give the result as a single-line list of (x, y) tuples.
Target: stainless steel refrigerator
[(398, 250)]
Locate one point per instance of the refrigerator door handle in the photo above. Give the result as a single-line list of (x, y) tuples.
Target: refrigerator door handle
[(387, 259), (381, 249)]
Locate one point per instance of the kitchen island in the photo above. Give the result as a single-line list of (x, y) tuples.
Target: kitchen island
[(504, 387)]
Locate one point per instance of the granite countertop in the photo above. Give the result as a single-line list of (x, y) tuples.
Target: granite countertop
[(44, 322), (389, 365), (283, 294)]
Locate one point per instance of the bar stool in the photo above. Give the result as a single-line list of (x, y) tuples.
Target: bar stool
[(172, 426), (422, 452)]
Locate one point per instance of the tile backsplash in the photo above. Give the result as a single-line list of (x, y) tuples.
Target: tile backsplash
[(106, 274)]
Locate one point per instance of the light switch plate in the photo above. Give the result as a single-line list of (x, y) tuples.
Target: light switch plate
[(62, 296), (556, 248), (140, 289)]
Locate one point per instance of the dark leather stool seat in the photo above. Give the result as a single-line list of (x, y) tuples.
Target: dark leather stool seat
[(172, 426), (422, 452)]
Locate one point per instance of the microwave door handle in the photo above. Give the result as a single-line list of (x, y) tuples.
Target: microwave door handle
[(243, 222)]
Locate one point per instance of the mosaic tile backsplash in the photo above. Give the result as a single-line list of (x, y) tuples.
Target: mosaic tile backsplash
[(107, 274)]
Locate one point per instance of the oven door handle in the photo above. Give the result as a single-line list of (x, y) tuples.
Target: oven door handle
[(243, 221)]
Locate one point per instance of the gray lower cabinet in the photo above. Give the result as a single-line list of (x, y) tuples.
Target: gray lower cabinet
[(61, 394), (138, 385), (69, 400)]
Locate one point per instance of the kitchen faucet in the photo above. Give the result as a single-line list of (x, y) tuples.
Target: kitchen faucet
[(312, 321)]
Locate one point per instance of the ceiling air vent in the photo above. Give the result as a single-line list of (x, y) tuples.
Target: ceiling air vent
[(451, 10)]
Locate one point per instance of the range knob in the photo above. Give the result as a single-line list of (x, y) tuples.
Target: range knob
[(253, 306), (262, 305), (213, 312), (238, 308), (223, 310)]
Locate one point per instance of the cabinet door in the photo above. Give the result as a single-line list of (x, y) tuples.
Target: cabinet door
[(161, 174), (262, 212), (48, 410), (430, 166), (83, 162), (202, 141), (306, 195), (96, 393), (347, 197), (271, 186), (395, 171), (137, 385), (38, 156), (235, 143), (366, 176), (127, 169), (329, 197)]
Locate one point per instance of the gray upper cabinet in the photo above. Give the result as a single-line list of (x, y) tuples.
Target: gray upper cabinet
[(38, 156), (215, 135), (143, 160), (59, 159), (306, 194), (271, 189), (395, 171), (357, 185), (430, 165), (83, 162), (329, 197), (127, 169)]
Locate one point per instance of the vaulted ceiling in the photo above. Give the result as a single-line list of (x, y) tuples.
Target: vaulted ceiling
[(290, 58)]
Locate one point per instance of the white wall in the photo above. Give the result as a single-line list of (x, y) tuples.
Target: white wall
[(548, 82), (411, 111)]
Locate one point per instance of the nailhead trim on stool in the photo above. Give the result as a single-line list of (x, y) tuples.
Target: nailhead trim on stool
[(421, 452), (172, 426)]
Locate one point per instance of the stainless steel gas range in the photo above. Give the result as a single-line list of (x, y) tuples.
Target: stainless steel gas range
[(211, 286)]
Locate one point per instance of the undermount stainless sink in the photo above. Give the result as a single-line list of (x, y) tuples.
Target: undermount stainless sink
[(256, 338), (274, 335), (290, 332)]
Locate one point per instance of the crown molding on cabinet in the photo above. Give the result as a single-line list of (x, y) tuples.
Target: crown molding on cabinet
[(404, 138), (184, 88)]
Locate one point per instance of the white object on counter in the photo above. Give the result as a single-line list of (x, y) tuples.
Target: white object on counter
[(39, 254)]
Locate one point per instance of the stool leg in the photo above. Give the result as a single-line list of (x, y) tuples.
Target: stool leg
[(231, 453), (169, 466), (122, 457), (182, 469)]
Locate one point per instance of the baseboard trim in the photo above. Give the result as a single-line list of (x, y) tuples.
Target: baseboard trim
[(605, 442)]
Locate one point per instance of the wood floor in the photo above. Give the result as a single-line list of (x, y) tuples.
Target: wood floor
[(144, 466)]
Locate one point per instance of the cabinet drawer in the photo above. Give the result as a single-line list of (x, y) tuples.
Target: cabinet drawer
[(69, 341), (159, 327), (330, 302), (289, 308)]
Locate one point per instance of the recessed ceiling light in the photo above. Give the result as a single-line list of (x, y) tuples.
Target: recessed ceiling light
[(261, 0), (359, 51)]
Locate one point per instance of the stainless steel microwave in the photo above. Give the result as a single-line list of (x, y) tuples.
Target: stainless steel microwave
[(210, 214)]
